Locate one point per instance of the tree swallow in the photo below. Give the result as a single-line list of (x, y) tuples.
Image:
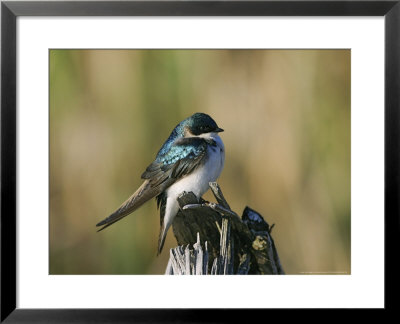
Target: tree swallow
[(191, 157)]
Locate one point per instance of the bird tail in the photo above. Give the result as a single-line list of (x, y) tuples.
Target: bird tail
[(161, 241), (164, 226), (162, 204), (162, 237), (166, 217), (143, 194)]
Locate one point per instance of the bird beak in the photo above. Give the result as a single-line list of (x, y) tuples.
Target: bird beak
[(218, 130)]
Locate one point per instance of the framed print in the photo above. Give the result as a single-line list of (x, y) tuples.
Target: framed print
[(291, 106)]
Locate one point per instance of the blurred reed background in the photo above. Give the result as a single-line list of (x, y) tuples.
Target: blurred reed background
[(286, 115)]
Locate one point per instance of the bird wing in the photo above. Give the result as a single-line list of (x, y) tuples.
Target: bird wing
[(183, 157)]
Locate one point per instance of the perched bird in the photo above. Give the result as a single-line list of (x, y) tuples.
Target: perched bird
[(191, 157)]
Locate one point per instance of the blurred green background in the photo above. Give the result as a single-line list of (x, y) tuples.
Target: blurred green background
[(286, 115)]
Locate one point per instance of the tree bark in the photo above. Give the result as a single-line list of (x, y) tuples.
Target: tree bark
[(213, 239)]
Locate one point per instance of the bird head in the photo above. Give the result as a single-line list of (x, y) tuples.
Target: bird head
[(200, 123)]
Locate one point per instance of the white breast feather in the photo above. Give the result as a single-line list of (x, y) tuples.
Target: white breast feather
[(197, 181)]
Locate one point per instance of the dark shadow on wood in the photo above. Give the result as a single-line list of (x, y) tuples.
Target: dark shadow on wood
[(213, 239)]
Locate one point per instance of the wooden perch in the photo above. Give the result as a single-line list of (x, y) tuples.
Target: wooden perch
[(221, 241)]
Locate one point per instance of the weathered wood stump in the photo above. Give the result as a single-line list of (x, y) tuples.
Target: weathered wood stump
[(213, 239)]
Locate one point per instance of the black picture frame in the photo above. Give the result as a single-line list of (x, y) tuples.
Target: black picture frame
[(10, 10)]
